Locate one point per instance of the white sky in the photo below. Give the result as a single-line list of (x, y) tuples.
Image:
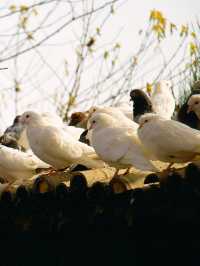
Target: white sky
[(39, 82)]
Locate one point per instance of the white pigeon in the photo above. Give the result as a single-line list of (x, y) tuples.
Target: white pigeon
[(162, 99), (168, 140), (50, 119), (118, 146), (17, 164), (55, 146), (126, 109), (117, 114), (194, 105)]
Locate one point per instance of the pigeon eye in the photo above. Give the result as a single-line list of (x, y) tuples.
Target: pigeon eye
[(145, 120), (27, 116), (196, 103), (93, 122)]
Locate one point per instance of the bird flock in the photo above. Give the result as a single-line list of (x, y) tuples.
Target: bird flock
[(134, 134)]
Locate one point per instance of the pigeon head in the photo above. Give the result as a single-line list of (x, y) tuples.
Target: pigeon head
[(16, 120), (147, 118), (141, 102), (30, 117), (194, 103), (162, 85), (93, 109), (100, 120), (77, 118)]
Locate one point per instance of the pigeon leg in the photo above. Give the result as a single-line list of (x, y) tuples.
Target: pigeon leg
[(116, 173), (127, 171), (50, 171), (169, 166)]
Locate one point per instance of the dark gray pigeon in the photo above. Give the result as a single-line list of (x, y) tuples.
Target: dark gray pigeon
[(12, 135), (141, 103)]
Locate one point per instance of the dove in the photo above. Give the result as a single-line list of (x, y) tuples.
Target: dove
[(168, 140), (185, 114), (194, 105), (117, 146), (125, 109), (141, 104), (17, 164), (117, 114), (15, 135), (162, 99), (55, 146), (79, 119)]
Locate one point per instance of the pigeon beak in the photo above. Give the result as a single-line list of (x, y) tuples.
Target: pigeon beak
[(141, 125), (22, 120), (190, 109)]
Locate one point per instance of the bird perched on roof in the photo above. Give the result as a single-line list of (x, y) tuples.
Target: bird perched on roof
[(118, 146), (17, 164), (186, 116), (117, 114), (168, 140), (141, 103), (194, 105), (163, 100), (15, 135), (55, 146), (79, 119)]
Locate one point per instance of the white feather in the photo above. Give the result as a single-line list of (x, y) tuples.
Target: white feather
[(55, 146), (118, 146), (168, 140)]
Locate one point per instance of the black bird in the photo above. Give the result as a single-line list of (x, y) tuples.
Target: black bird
[(190, 118), (141, 103)]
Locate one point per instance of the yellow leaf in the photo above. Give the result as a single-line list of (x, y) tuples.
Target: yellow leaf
[(12, 8), (23, 8), (117, 46), (98, 31), (71, 100), (159, 30), (184, 30), (149, 88), (23, 22), (193, 34), (158, 16), (172, 27), (193, 48), (152, 14)]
